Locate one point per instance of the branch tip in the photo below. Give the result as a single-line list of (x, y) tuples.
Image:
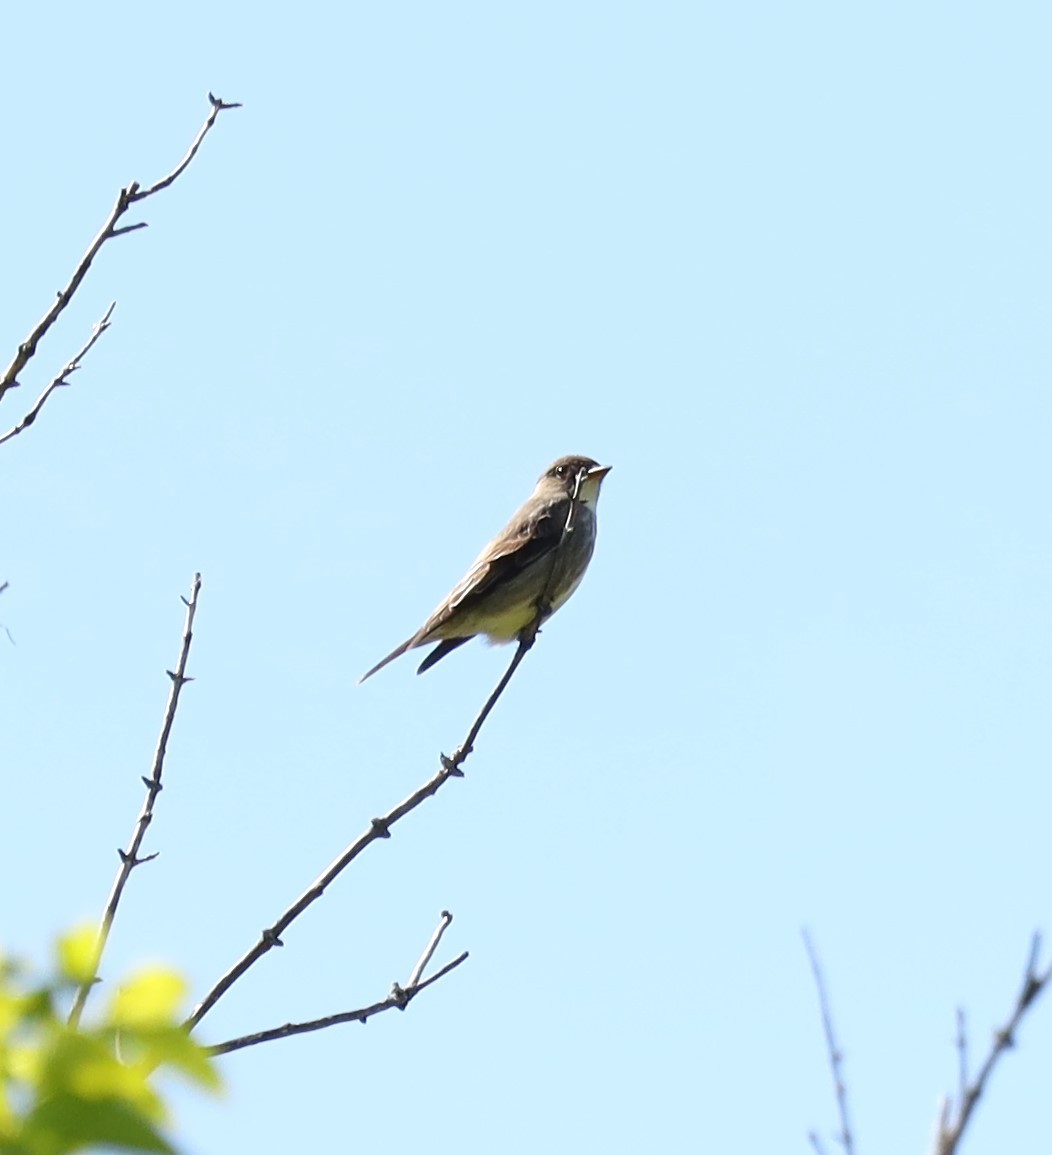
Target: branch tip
[(953, 1117), (833, 1050), (127, 196), (220, 105)]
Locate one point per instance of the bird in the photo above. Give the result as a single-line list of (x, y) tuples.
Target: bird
[(540, 553)]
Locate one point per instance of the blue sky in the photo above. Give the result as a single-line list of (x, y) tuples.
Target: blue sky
[(786, 269)]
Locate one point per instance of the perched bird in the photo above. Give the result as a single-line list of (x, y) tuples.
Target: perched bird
[(529, 559)]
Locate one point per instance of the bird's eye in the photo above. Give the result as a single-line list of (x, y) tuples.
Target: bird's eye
[(561, 471)]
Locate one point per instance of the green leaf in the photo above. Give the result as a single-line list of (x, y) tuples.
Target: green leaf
[(173, 1048), (77, 956), (151, 998), (67, 1123)]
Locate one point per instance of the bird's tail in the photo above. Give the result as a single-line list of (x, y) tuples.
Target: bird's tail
[(439, 652), (396, 653)]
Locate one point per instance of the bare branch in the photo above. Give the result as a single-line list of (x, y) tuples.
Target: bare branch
[(218, 106), (429, 950), (128, 196), (71, 367), (271, 937), (381, 827), (836, 1058), (130, 857), (954, 1118), (460, 755), (399, 997)]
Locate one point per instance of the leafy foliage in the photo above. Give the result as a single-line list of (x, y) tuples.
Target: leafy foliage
[(66, 1088)]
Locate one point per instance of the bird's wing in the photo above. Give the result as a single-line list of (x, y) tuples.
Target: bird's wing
[(523, 541)]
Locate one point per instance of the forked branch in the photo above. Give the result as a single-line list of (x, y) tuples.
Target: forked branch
[(62, 378), (399, 998), (954, 1116), (127, 197), (379, 828)]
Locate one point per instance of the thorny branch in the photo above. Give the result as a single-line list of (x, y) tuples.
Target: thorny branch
[(381, 827), (836, 1058), (127, 197), (130, 857), (399, 997), (953, 1118)]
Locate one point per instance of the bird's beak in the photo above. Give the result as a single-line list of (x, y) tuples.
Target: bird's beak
[(598, 472)]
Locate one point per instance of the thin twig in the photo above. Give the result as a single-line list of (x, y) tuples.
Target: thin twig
[(952, 1122), (399, 998), (429, 950), (836, 1058), (942, 1121), (71, 367), (962, 1054), (128, 196), (460, 755), (218, 106), (130, 857), (3, 586), (381, 827)]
